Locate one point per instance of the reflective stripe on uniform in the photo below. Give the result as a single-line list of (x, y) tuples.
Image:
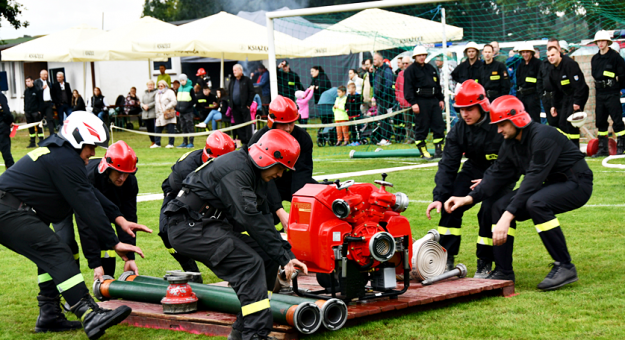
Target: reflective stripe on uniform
[(574, 136), (38, 152), (255, 307), (45, 277), (530, 80), (269, 293), (511, 231), (491, 157), (418, 142), (547, 225), (171, 250), (621, 133), (76, 256), (609, 74), (449, 231), (32, 135), (69, 283), (245, 233), (438, 140), (602, 133), (105, 254), (484, 241), (565, 82), (495, 77), (562, 132)]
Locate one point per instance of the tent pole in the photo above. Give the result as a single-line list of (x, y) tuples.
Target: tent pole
[(149, 69), (444, 75), (84, 78), (273, 76), (221, 76)]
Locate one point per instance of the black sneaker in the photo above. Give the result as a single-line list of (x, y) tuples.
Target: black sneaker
[(450, 264), (483, 269), (499, 275), (559, 276)]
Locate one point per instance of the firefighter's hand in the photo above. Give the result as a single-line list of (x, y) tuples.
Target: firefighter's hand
[(434, 205), (454, 203), (129, 227), (123, 248), (576, 107), (284, 218), (554, 113), (415, 108), (500, 231), (294, 265), (475, 182), (98, 274), (442, 105), (131, 265)]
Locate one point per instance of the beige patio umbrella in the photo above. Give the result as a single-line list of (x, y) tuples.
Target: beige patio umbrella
[(377, 29), (52, 47)]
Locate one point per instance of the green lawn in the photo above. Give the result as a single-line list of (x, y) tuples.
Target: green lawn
[(590, 308)]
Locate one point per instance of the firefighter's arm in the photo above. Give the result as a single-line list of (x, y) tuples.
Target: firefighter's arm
[(448, 166), (505, 80), (580, 92), (497, 176)]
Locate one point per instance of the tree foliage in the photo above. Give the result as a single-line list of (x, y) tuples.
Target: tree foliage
[(11, 10)]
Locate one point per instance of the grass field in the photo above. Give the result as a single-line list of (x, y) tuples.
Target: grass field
[(590, 308)]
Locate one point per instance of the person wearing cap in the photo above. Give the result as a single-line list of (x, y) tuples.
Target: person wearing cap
[(527, 79), (217, 203), (288, 81), (471, 68), (544, 88), (217, 144), (608, 70), (570, 92), (422, 90), (557, 179), (477, 140), (494, 75)]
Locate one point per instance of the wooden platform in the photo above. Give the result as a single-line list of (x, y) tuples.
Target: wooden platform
[(417, 298)]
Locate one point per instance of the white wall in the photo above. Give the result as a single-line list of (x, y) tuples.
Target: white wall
[(15, 75)]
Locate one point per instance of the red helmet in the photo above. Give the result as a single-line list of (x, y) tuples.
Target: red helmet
[(282, 110), (472, 93), (275, 146), (201, 72), (119, 156), (509, 108), (217, 144)]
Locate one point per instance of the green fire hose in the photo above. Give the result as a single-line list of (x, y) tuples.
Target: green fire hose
[(387, 153)]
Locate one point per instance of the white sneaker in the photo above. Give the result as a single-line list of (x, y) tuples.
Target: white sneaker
[(169, 146), (201, 125), (155, 146), (384, 142)]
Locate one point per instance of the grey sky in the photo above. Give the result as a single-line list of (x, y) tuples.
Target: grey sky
[(49, 16)]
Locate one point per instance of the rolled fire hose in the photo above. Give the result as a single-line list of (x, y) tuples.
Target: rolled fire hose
[(305, 317), (428, 256)]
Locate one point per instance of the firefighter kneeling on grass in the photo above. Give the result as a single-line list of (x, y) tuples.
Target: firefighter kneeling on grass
[(45, 186), (557, 180), (221, 200)]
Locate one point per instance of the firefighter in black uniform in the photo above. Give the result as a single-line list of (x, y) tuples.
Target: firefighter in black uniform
[(282, 116), (44, 187), (544, 87), (471, 68), (220, 200), (608, 69), (474, 138), (422, 89), (6, 124), (494, 75), (570, 91), (557, 180), (527, 79), (217, 144), (288, 80)]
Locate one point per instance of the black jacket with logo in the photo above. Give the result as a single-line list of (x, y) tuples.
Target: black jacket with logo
[(567, 80), (417, 76), (609, 66)]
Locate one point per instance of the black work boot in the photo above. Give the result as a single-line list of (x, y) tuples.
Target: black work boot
[(422, 147), (450, 263), (483, 269), (620, 145), (603, 147), (499, 275), (51, 317), (559, 276), (438, 150), (96, 320), (32, 143), (235, 334)]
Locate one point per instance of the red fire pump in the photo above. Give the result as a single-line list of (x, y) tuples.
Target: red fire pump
[(350, 234)]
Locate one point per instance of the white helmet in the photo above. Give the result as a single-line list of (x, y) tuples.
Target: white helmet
[(603, 35), (82, 128), (419, 50), (564, 45), (616, 47), (578, 119), (525, 46), (471, 44)]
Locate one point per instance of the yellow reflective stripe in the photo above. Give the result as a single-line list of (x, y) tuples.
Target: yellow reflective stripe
[(38, 152), (201, 100), (269, 293), (449, 231), (511, 231), (171, 250), (438, 140), (107, 253), (203, 165), (574, 136), (491, 157), (602, 133), (619, 134), (82, 318), (609, 74), (418, 142), (69, 283), (565, 82), (291, 83), (255, 307), (484, 241), (184, 156), (76, 256), (31, 135), (435, 79), (548, 225), (562, 132), (530, 80), (184, 96), (477, 81), (245, 233), (495, 77), (45, 277)]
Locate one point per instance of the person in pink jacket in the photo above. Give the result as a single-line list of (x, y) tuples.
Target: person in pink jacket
[(302, 103)]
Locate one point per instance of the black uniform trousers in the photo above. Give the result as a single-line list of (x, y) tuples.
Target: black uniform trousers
[(386, 130), (48, 113), (65, 231), (531, 102), (542, 208), (609, 105), (24, 233), (33, 131), (214, 243), (565, 126), (242, 115), (5, 144), (547, 99), (187, 264), (450, 224), (429, 118)]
